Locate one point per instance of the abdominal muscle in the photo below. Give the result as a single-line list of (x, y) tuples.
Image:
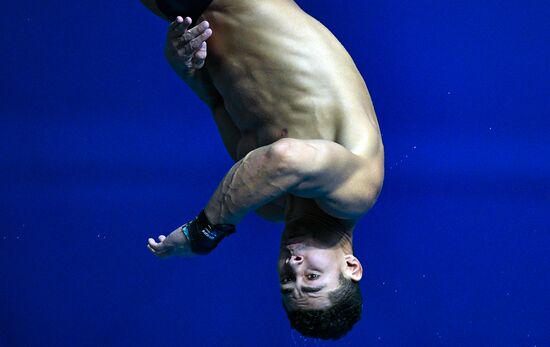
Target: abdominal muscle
[(283, 74)]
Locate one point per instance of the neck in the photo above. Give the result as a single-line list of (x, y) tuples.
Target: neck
[(304, 218), (325, 231)]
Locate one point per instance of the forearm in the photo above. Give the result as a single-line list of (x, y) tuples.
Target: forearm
[(197, 79), (262, 176), (227, 129), (186, 51), (200, 83), (345, 185)]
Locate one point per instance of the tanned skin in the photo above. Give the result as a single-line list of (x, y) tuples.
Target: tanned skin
[(295, 114)]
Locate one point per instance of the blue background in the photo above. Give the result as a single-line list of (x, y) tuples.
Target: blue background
[(102, 146)]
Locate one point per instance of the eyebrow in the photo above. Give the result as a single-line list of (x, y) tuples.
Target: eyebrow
[(304, 289), (312, 289)]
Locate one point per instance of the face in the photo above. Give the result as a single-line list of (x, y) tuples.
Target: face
[(308, 273)]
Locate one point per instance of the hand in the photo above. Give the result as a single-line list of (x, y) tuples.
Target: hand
[(186, 48), (175, 244)]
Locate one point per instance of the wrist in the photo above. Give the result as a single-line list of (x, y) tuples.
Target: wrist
[(205, 236), (211, 216)]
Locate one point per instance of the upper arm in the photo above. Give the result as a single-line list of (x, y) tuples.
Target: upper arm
[(342, 183)]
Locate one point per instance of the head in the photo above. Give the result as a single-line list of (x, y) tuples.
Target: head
[(319, 278)]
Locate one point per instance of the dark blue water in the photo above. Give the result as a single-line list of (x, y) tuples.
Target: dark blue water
[(101, 146)]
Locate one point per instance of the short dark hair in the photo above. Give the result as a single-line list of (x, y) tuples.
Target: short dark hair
[(335, 321)]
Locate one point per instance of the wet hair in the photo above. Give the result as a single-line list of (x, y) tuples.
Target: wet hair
[(335, 321)]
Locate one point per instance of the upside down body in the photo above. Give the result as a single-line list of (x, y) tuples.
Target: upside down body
[(291, 107)]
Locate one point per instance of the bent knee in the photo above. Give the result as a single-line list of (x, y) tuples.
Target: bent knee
[(285, 154), (293, 156)]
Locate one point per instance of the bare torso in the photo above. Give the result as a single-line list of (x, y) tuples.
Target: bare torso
[(281, 73)]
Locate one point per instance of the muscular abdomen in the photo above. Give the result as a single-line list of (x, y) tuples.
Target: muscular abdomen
[(278, 69)]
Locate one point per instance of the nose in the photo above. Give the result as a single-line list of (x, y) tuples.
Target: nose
[(295, 259)]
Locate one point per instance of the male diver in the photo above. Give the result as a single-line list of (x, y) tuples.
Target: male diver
[(295, 114)]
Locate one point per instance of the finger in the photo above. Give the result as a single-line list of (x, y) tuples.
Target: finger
[(192, 34), (154, 245), (152, 250), (198, 29), (158, 254), (196, 43), (162, 238), (199, 57), (179, 26)]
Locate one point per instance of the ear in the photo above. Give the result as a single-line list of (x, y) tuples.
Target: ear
[(354, 269)]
